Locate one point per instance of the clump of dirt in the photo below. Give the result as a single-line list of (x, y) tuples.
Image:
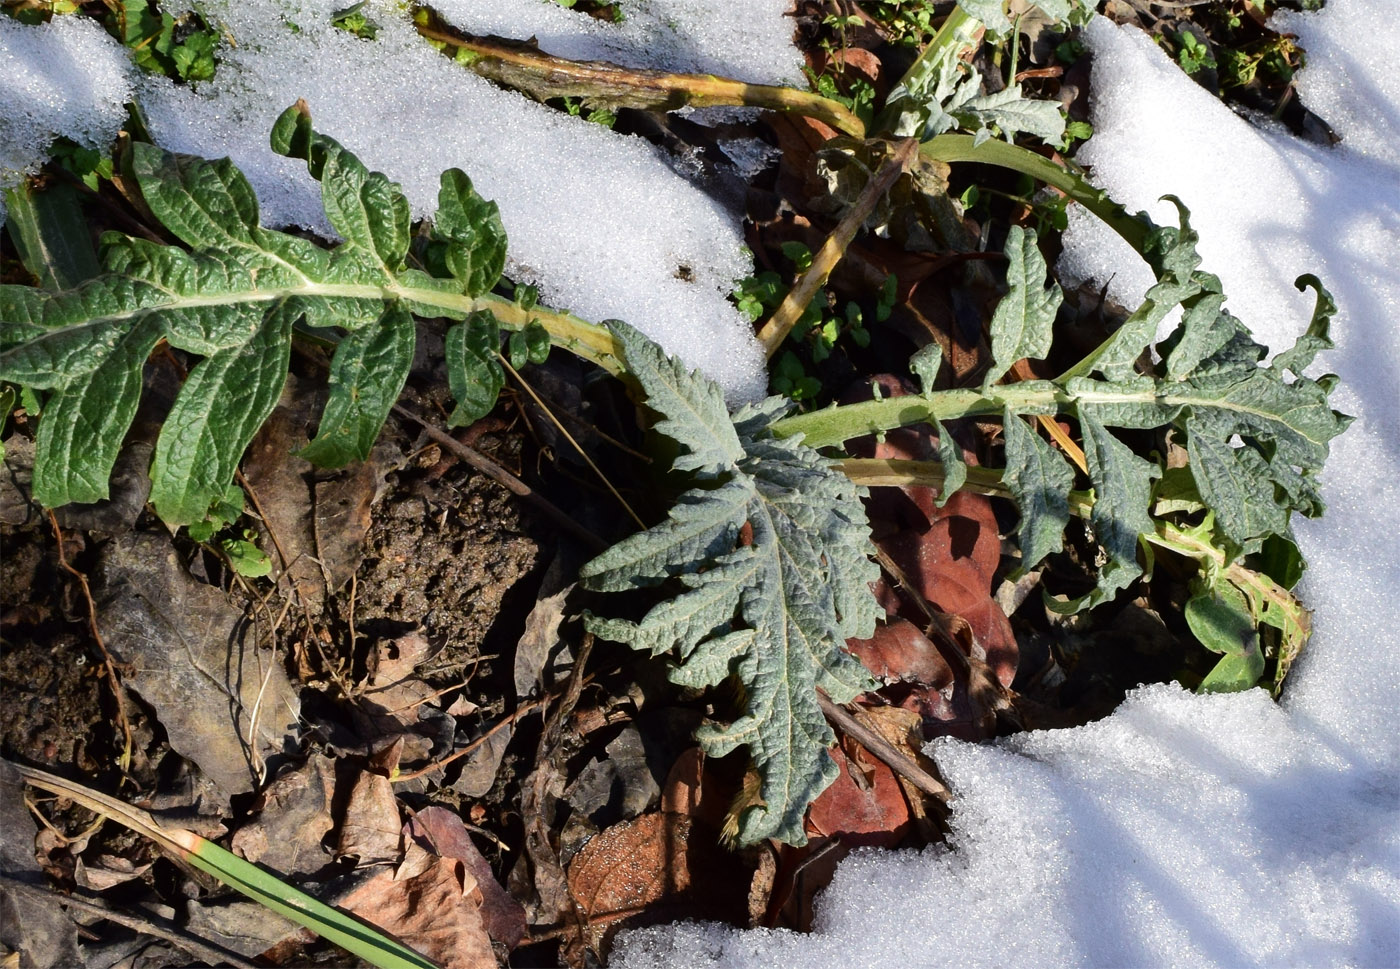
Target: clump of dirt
[(443, 554)]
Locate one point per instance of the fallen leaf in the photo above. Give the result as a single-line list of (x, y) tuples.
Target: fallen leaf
[(371, 828), (342, 517), (292, 816), (39, 931), (865, 805), (656, 868), (193, 659), (278, 478), (107, 871), (444, 833), (900, 652), (431, 904)]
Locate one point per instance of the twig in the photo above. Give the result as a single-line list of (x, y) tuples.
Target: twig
[(160, 929), (542, 76), (108, 662), (890, 755), (503, 477), (785, 317), (464, 751)]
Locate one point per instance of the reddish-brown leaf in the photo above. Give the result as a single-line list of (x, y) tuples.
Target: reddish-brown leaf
[(865, 805), (443, 832), (431, 904)]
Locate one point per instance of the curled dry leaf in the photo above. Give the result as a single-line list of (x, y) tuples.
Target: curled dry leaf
[(431, 904), (654, 868), (443, 832)]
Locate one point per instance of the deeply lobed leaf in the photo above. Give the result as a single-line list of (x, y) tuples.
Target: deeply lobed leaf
[(775, 612)]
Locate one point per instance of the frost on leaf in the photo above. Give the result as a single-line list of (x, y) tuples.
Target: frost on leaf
[(775, 612), (233, 297)]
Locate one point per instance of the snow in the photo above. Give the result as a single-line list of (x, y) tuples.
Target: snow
[(1194, 830), (64, 78), (600, 222)]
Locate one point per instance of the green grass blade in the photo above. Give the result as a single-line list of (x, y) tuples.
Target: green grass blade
[(330, 923)]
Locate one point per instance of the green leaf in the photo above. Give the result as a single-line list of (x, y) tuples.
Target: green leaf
[(775, 612), (529, 345), (472, 230), (50, 234), (692, 408), (1039, 479), (474, 374), (367, 374), (1220, 618), (1237, 485), (204, 203), (363, 206), (925, 365), (954, 467), (83, 424), (1023, 323), (224, 401), (992, 13), (1122, 484), (1009, 113), (1300, 356), (221, 299)]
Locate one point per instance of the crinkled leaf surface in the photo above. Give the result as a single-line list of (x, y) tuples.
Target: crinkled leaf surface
[(1024, 320), (775, 612), (1256, 437), (233, 298)]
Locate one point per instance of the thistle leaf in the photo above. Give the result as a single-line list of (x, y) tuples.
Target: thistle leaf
[(1040, 480), (472, 230), (776, 612), (474, 375), (83, 424), (1220, 618), (1024, 320), (224, 401), (692, 409), (367, 372)]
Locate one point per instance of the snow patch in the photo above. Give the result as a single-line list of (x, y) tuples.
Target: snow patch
[(1194, 830), (62, 78), (600, 222)]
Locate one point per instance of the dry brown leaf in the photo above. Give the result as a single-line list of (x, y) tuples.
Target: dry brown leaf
[(278, 478), (343, 512), (654, 868), (442, 831), (431, 904), (371, 828), (865, 805), (293, 815)]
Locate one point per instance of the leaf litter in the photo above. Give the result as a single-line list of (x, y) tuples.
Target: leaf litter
[(945, 565)]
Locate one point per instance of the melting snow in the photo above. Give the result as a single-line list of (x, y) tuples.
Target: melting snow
[(600, 222), (1195, 830)]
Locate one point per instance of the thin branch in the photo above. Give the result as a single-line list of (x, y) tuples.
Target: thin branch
[(570, 438), (542, 76), (503, 477), (146, 925), (110, 664), (892, 757)]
